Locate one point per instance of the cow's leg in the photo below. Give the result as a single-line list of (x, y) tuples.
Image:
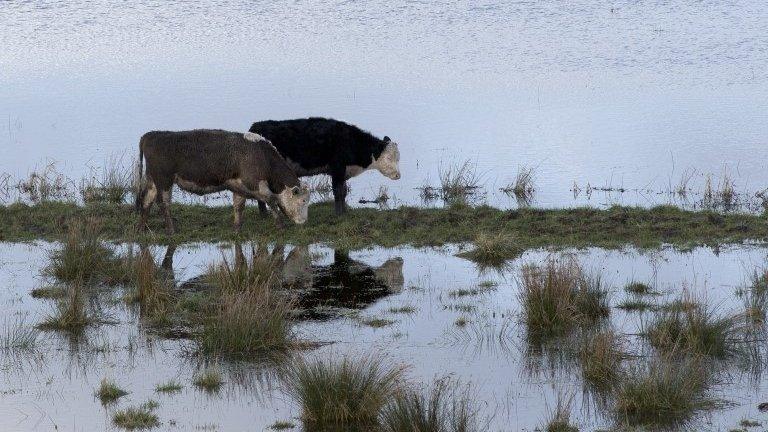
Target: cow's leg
[(263, 208), (146, 204), (166, 206), (238, 203), (339, 194)]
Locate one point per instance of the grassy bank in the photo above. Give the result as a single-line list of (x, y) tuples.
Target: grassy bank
[(407, 225)]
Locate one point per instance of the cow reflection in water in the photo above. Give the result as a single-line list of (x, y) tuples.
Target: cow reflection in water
[(321, 291)]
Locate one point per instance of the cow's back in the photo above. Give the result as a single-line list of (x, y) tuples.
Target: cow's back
[(312, 142)]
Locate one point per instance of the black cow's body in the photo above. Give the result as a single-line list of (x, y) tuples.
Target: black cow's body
[(207, 161), (326, 146)]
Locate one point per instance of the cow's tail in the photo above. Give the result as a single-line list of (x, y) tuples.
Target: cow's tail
[(141, 188)]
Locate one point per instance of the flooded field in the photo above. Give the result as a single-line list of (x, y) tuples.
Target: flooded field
[(426, 309)]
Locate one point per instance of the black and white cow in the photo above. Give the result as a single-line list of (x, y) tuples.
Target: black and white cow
[(207, 161), (326, 146)]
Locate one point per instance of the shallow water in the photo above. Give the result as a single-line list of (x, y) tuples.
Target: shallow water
[(621, 94), (53, 386)]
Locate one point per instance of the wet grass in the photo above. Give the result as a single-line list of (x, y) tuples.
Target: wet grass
[(169, 387), (252, 317), (209, 380), (376, 322), (140, 417), (49, 292), (638, 288), (16, 335), (281, 425), (664, 392), (697, 330), (442, 408), (152, 291), (600, 359), (522, 188), (636, 305), (493, 250), (70, 313), (457, 181), (559, 296), (407, 309), (560, 419), (346, 394), (113, 184), (611, 228), (108, 392)]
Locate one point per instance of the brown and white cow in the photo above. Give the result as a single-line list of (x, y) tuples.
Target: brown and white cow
[(207, 161)]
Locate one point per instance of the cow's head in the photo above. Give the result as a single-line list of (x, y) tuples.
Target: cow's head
[(388, 161), (294, 202)]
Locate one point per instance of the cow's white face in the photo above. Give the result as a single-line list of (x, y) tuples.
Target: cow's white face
[(294, 201), (388, 162)]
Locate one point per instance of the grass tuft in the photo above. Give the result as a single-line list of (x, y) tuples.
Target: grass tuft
[(84, 257), (458, 181), (17, 335), (109, 392), (560, 419), (141, 417), (493, 250), (442, 408), (663, 392), (69, 313), (209, 380), (347, 393), (171, 386), (282, 425), (601, 358), (638, 288), (559, 296)]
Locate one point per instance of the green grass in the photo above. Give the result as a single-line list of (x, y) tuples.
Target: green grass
[(141, 417), (442, 408), (636, 305), (108, 392), (70, 313), (664, 392), (17, 336), (638, 288), (171, 386), (376, 322), (402, 310), (342, 394), (559, 296), (50, 292), (282, 425), (209, 380), (695, 330), (600, 359), (252, 317), (360, 227), (493, 250)]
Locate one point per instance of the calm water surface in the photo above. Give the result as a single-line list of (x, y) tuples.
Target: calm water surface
[(619, 93)]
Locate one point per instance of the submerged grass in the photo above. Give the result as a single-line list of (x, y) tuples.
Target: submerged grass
[(560, 419), (343, 394), (252, 316), (171, 386), (209, 380), (70, 312), (614, 227), (493, 250), (600, 359), (664, 392), (441, 408), (559, 296), (109, 392), (18, 336), (140, 417), (696, 330)]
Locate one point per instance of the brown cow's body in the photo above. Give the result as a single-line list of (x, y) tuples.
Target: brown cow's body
[(208, 161)]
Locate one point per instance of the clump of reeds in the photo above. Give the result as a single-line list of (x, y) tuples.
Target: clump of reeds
[(109, 392), (458, 181), (636, 305), (695, 330), (153, 291), (638, 288), (493, 250), (140, 417), (253, 315), (69, 313), (346, 393), (171, 386), (560, 419), (114, 184), (17, 336), (663, 392), (523, 187), (45, 186), (600, 358), (559, 296), (83, 256), (209, 380), (441, 408)]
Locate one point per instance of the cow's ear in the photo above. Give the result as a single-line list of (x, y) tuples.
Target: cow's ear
[(386, 139), (296, 190)]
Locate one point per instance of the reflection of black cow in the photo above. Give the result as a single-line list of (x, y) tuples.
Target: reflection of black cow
[(347, 284)]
